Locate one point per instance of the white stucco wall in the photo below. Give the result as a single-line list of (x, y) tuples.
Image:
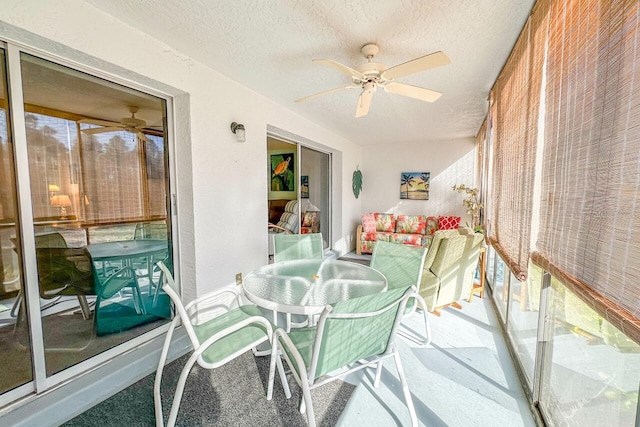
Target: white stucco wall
[(223, 218), (449, 163), (221, 183)]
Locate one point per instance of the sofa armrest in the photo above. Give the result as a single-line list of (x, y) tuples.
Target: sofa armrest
[(359, 239)]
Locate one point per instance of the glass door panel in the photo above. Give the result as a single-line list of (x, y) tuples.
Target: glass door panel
[(15, 345), (523, 319), (314, 193), (282, 167), (98, 172), (590, 370)]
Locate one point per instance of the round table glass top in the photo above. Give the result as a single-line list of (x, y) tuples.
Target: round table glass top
[(307, 286)]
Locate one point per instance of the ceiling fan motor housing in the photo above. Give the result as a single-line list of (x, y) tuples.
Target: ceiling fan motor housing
[(371, 69), (133, 122)]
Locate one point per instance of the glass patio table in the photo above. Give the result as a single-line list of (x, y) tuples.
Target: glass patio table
[(307, 286)]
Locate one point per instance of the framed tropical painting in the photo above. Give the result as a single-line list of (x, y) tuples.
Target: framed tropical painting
[(282, 172), (414, 185)]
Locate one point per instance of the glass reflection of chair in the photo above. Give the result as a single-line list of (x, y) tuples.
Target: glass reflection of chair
[(402, 266), (230, 330), (62, 271), (150, 231), (289, 247), (351, 335)]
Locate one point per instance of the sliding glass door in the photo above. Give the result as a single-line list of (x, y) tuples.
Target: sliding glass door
[(88, 170), (15, 346), (299, 190)]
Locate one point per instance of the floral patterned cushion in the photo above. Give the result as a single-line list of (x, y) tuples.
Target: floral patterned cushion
[(432, 225), (411, 224), (385, 222), (448, 222), (368, 223), (406, 239)]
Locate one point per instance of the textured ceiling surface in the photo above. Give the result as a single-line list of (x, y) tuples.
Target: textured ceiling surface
[(269, 46)]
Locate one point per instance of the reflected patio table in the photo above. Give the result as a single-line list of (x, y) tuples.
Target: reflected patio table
[(126, 250), (127, 311), (306, 286)]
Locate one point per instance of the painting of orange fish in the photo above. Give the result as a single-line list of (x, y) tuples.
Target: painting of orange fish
[(282, 172)]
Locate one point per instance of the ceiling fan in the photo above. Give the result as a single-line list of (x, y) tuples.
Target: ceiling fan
[(371, 75), (129, 124)]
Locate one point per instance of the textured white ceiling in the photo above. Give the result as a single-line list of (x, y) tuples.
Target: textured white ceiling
[(268, 46)]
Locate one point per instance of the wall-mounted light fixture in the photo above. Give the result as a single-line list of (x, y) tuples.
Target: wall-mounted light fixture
[(238, 130)]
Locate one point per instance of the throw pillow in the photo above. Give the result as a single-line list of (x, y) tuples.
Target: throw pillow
[(385, 222), (432, 225), (411, 224), (369, 223), (448, 222)]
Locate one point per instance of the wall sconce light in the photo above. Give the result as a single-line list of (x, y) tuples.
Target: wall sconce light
[(238, 130)]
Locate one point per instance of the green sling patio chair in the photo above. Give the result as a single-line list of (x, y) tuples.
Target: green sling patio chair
[(219, 330), (297, 246), (402, 266), (351, 334), (289, 247)]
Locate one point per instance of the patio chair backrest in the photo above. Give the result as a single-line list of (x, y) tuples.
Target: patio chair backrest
[(357, 328), (150, 230), (400, 264), (50, 240), (297, 246)]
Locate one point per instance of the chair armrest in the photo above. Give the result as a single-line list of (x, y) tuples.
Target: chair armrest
[(200, 307), (279, 228), (359, 239)]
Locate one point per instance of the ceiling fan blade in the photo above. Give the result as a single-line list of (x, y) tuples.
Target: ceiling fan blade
[(98, 122), (364, 102), (416, 92), (102, 130), (342, 68), (326, 92), (433, 60)]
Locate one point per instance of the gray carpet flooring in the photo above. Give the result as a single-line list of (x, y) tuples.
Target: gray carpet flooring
[(232, 395)]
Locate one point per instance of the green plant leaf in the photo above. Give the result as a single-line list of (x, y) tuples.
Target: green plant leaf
[(356, 183)]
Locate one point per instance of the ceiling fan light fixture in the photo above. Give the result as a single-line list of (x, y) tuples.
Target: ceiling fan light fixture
[(369, 87)]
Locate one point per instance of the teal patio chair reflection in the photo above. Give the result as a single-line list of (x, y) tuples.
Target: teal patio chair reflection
[(352, 334), (147, 267), (220, 330), (402, 266)]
